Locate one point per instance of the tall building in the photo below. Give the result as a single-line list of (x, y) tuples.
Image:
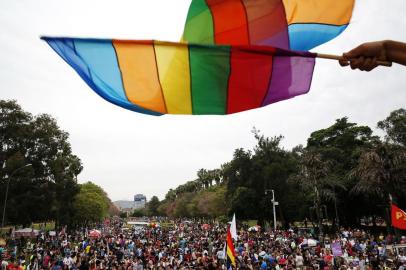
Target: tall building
[(139, 201)]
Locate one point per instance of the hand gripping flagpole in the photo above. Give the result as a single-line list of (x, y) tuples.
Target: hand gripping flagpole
[(338, 57)]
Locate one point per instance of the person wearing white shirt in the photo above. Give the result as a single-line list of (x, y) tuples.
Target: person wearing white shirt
[(299, 261), (4, 264)]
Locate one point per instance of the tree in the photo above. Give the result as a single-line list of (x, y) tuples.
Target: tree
[(244, 202), (381, 168), (339, 166), (314, 179), (46, 190), (153, 206), (340, 145), (204, 178), (395, 127), (217, 176), (272, 166), (170, 195), (138, 212), (381, 171), (181, 207), (91, 204)]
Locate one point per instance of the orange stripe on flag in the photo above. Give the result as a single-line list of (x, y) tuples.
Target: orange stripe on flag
[(140, 74)]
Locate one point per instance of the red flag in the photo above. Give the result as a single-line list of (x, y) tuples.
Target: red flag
[(398, 218)]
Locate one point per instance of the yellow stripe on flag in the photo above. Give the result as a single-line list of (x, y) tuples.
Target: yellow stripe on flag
[(174, 74)]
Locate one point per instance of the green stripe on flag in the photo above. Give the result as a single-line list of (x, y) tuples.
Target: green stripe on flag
[(210, 69), (199, 24)]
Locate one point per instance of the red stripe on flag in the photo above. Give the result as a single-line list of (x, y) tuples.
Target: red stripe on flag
[(230, 248), (230, 22), (249, 80), (267, 22)]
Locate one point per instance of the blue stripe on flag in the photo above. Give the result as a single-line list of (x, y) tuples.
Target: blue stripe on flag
[(306, 36)]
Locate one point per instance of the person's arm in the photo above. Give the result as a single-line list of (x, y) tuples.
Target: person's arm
[(365, 56)]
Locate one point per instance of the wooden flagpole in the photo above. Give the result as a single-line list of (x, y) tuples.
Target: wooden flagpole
[(338, 57)]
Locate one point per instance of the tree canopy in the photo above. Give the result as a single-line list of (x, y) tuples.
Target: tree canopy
[(341, 166), (91, 204), (44, 190)]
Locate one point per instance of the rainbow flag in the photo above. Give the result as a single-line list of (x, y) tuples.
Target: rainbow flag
[(288, 24), (230, 251), (236, 55), (154, 77)]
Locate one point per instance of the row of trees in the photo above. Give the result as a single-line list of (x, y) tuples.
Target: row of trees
[(344, 173), (39, 171)]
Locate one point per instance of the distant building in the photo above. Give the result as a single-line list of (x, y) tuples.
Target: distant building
[(127, 206), (140, 200)]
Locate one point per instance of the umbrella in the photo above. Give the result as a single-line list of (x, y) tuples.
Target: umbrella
[(254, 228), (95, 233)]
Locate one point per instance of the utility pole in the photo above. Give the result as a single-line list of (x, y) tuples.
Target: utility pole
[(274, 203)]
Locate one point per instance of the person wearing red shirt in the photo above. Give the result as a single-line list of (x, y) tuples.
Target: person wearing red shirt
[(328, 258), (11, 265)]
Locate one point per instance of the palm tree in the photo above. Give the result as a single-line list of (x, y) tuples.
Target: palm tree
[(210, 177), (198, 185), (224, 170), (381, 171), (315, 177), (180, 190), (202, 176), (217, 176)]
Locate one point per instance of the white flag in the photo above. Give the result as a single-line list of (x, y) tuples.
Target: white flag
[(233, 229)]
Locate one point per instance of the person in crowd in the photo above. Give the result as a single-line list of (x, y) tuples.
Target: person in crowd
[(187, 246)]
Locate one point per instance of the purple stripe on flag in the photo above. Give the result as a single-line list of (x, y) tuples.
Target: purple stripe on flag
[(291, 76)]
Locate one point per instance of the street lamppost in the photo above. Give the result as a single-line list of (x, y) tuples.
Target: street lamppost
[(7, 185), (336, 210), (273, 206)]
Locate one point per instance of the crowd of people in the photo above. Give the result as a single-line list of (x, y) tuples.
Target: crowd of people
[(184, 244)]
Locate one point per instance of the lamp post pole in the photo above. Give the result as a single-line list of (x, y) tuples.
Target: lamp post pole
[(274, 203), (274, 210), (7, 185)]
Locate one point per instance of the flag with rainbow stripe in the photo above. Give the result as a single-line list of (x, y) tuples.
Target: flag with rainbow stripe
[(230, 251), (235, 55), (288, 24)]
